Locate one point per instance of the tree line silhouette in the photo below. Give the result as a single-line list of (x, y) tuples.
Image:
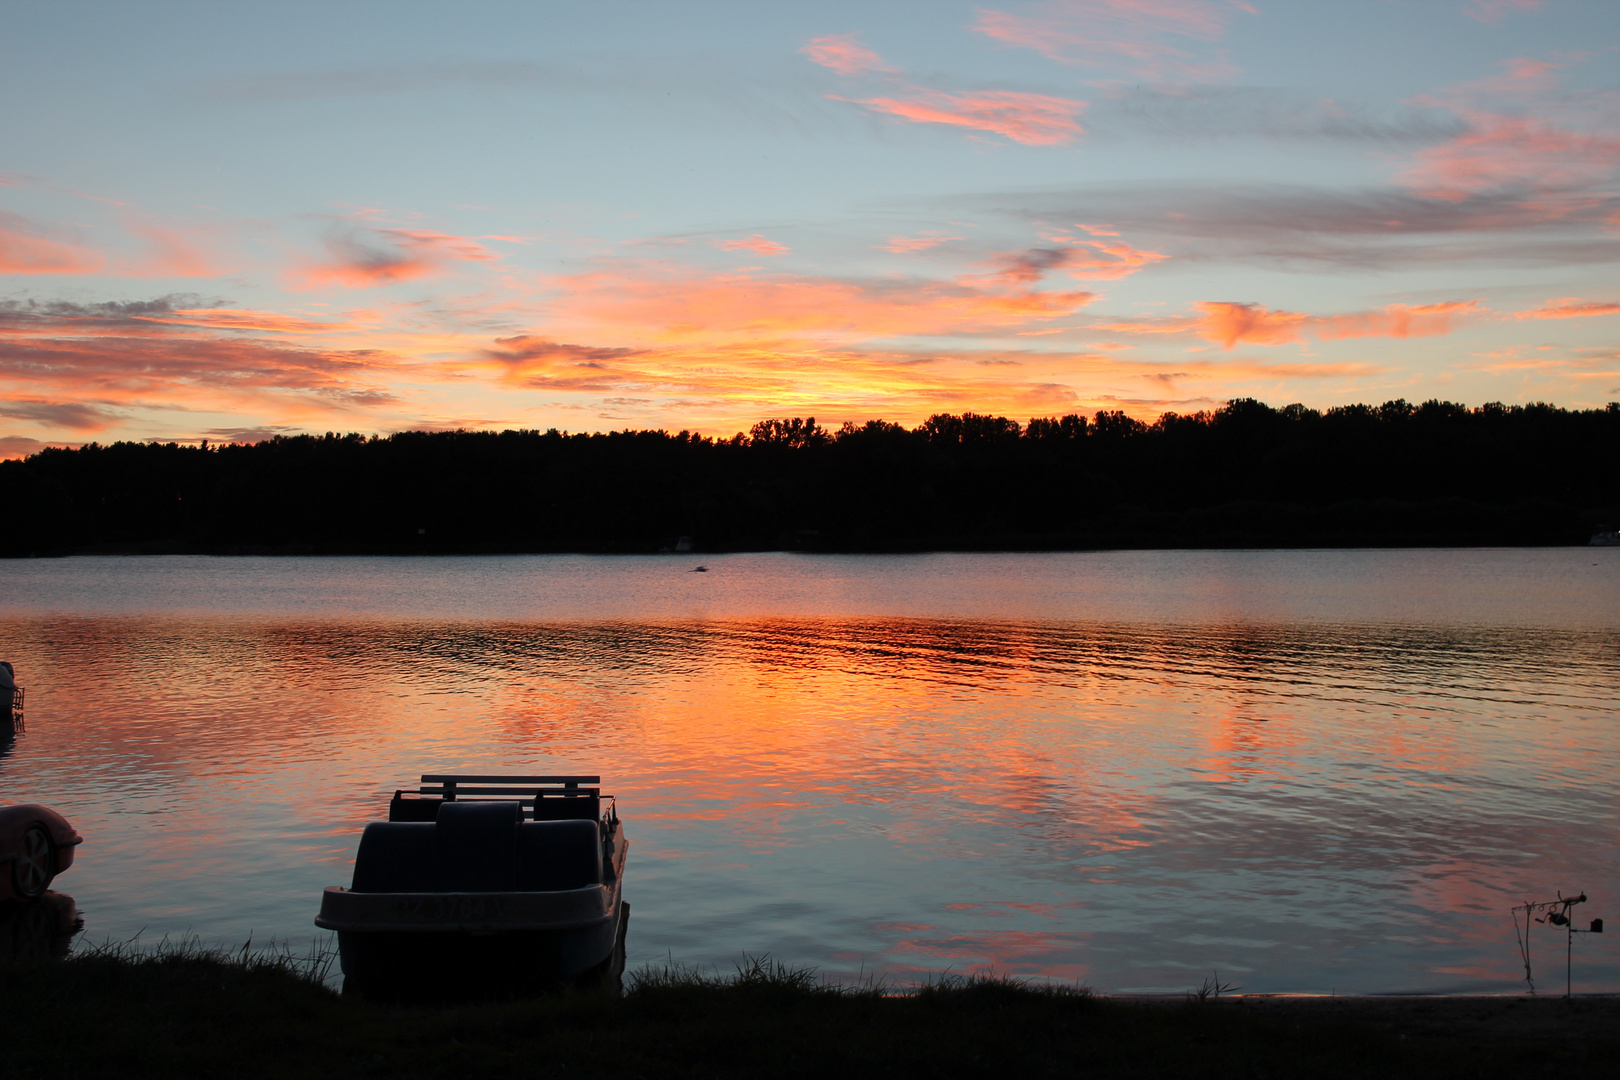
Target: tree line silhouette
[(1243, 475)]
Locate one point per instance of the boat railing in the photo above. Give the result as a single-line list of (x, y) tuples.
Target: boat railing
[(541, 797)]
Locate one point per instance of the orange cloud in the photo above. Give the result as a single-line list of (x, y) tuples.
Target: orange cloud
[(1227, 324), (1569, 308), (844, 54), (1031, 119), (1113, 259), (237, 319), (666, 302), (25, 248), (904, 245), (173, 252), (363, 257), (136, 355), (1396, 321), (1135, 35), (756, 243)]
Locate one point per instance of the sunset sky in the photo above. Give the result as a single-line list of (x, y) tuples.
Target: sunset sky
[(228, 221)]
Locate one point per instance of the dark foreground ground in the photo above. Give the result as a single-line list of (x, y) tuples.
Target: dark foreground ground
[(196, 1015)]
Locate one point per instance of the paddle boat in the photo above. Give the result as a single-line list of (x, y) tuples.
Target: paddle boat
[(36, 844), (484, 885)]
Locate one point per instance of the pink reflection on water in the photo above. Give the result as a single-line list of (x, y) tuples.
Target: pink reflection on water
[(1125, 802)]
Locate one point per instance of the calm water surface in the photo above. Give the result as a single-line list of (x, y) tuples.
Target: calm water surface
[(1310, 770)]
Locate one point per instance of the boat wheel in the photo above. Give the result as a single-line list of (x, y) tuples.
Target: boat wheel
[(35, 864)]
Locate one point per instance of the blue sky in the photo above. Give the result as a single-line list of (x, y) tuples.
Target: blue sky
[(226, 221)]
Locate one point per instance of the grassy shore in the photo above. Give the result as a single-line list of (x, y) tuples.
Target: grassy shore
[(185, 1012)]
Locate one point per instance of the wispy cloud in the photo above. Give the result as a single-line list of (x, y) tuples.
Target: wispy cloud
[(1525, 135), (1031, 119), (756, 243), (661, 302), (130, 355), (1101, 260), (363, 256), (526, 350), (1229, 324), (1570, 308), (1494, 11), (1208, 113), (1354, 229), (905, 245), (845, 54), (1150, 39), (1027, 118), (1090, 260), (173, 251), (29, 248), (21, 446), (74, 416)]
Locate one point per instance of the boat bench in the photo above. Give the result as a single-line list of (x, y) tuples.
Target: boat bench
[(478, 846), (541, 798)]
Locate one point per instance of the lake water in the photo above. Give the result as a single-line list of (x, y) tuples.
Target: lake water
[(1310, 770)]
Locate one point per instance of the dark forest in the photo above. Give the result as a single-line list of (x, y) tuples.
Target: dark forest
[(1245, 475)]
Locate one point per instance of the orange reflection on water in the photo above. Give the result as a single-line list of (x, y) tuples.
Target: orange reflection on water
[(1129, 803)]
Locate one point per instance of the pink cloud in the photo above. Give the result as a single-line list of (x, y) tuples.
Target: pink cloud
[(1228, 324), (1523, 133), (14, 447), (129, 356), (1569, 308), (1494, 11), (1144, 37), (1397, 321), (75, 416), (362, 257), (1106, 260), (905, 245), (845, 54), (656, 303), (26, 248), (238, 319), (173, 252), (756, 243), (1031, 119), (1088, 260), (1512, 150)]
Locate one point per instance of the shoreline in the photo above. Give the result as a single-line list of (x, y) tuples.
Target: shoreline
[(200, 1013)]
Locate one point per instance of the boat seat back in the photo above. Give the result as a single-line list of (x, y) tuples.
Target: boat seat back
[(478, 847), (475, 846), (567, 807), (402, 809), (558, 855), (394, 857)]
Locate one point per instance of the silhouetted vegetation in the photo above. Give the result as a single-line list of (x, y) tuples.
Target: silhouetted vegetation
[(183, 1013), (1244, 475)]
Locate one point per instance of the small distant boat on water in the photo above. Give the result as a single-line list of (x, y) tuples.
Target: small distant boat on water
[(480, 885)]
